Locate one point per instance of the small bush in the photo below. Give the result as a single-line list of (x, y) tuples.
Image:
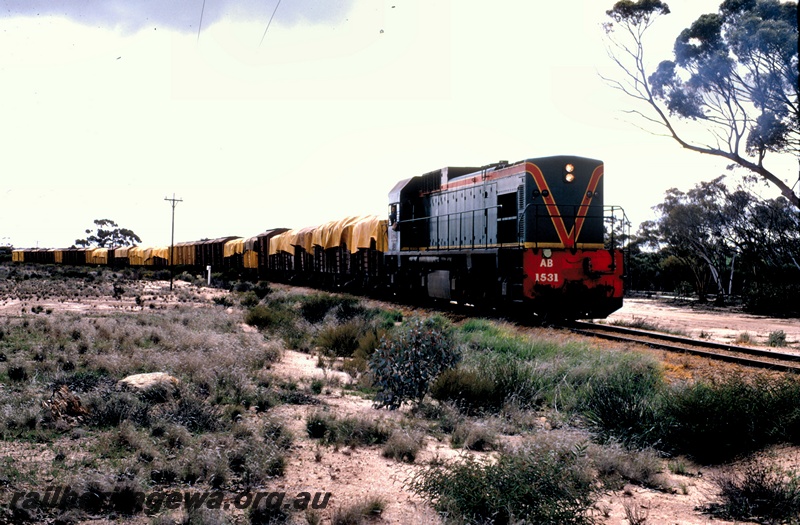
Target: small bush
[(262, 289), (356, 513), (348, 431), (340, 340), (315, 307), (268, 317), (536, 484), (470, 390), (110, 408), (249, 300), (409, 359), (615, 465), (276, 434), (403, 446), (195, 414), (348, 308), (223, 300), (777, 338), (769, 494), (474, 436)]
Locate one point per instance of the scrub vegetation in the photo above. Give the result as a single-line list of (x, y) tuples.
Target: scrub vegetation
[(546, 424)]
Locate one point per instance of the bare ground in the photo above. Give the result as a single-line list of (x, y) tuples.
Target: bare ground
[(717, 324), (353, 474)]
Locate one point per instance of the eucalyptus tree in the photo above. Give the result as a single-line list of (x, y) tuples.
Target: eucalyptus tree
[(108, 234), (731, 88)]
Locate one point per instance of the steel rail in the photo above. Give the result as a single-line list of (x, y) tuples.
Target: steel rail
[(742, 355)]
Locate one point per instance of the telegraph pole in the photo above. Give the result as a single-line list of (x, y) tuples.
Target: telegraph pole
[(174, 201)]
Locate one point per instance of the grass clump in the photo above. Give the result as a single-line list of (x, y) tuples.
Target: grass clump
[(715, 421), (710, 421), (356, 513), (617, 465), (109, 408), (195, 414), (341, 340), (474, 436), (403, 445), (760, 493), (620, 405), (543, 484), (470, 390), (347, 431)]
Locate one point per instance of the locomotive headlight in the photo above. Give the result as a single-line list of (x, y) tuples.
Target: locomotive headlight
[(570, 175)]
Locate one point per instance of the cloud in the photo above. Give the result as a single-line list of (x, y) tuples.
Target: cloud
[(180, 15)]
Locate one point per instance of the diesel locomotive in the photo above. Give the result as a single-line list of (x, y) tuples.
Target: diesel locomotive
[(533, 235)]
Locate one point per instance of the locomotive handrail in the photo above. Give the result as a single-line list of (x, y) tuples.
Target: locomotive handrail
[(550, 211)]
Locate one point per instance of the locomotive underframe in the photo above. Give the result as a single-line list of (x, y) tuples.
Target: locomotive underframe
[(583, 284)]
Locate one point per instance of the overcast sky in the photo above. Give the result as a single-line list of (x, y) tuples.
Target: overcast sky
[(111, 106)]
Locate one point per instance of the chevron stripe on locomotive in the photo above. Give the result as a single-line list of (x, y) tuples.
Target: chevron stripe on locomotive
[(533, 235)]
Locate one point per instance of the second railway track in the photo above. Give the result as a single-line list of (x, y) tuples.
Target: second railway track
[(743, 355)]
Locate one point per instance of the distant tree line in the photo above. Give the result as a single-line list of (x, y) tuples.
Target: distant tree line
[(712, 240)]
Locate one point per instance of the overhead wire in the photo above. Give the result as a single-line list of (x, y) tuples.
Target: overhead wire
[(200, 25), (268, 23)]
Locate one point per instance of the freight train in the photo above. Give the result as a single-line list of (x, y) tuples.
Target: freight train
[(533, 235)]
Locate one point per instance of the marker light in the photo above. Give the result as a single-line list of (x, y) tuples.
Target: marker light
[(570, 176)]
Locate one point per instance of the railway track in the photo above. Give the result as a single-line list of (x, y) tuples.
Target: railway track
[(743, 355)]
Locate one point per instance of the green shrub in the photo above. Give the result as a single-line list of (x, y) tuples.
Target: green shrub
[(348, 308), (249, 300), (268, 317), (409, 359), (537, 484), (262, 289), (777, 338), (316, 306), (386, 319)]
